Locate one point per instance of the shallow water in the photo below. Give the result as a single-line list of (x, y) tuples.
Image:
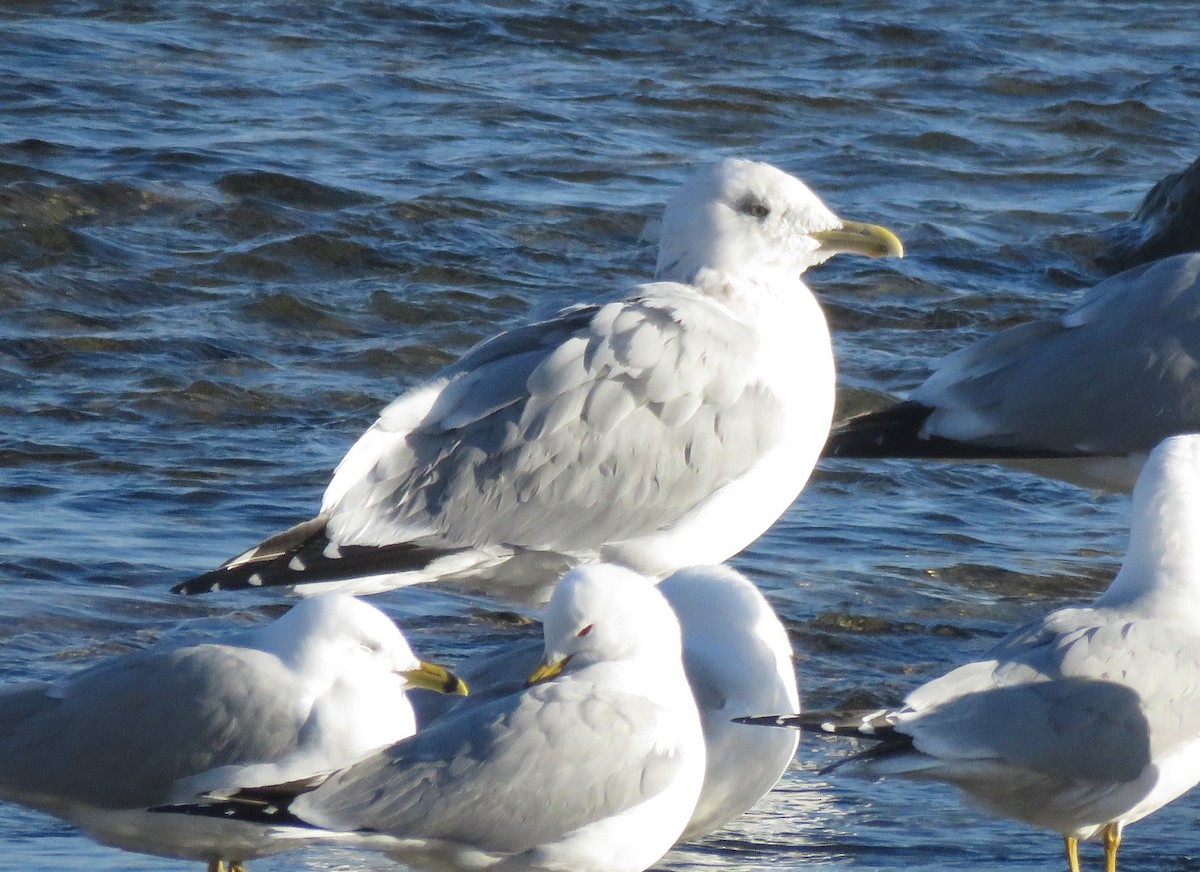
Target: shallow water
[(230, 233)]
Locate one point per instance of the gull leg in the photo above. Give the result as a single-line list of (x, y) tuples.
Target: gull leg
[(216, 866), (1112, 840), (239, 866), (1072, 845)]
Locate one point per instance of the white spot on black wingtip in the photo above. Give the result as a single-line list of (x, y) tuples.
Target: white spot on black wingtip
[(216, 586), (828, 726), (296, 564), (255, 580)]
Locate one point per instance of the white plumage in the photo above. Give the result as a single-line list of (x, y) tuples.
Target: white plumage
[(667, 429)]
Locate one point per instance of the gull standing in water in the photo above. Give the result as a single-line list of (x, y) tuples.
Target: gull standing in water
[(312, 691), (1087, 720), (1082, 397), (668, 429), (594, 766), (738, 659)]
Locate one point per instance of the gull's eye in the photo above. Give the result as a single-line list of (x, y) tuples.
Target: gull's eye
[(585, 631), (754, 207)]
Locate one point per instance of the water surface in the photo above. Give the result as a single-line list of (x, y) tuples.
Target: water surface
[(231, 232)]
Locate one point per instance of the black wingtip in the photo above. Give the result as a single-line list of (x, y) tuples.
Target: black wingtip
[(312, 563), (891, 432), (235, 810), (266, 805), (791, 721), (897, 432)]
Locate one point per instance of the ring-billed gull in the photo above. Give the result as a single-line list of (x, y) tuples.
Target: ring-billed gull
[(595, 766), (1089, 719), (664, 430), (316, 689), (737, 658), (1082, 397)]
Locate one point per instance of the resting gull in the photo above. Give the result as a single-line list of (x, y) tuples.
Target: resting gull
[(1082, 397), (738, 659), (664, 430), (595, 766), (314, 690), (1087, 720)]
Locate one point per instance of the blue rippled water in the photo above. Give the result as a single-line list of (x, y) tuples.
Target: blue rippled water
[(230, 232)]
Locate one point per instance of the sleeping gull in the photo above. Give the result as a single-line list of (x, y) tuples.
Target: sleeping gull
[(314, 690), (1082, 397), (664, 430), (1088, 719), (595, 766), (737, 658)]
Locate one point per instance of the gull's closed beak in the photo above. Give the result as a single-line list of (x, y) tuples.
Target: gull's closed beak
[(859, 238), (546, 670)]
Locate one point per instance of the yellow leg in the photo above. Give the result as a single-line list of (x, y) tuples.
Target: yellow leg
[(1112, 840), (1072, 845), (216, 866), (239, 866)]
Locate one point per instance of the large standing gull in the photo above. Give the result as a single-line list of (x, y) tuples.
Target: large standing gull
[(595, 766), (316, 689), (1083, 396), (668, 429), (1088, 719)]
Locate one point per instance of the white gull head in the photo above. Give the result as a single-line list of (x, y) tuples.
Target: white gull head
[(745, 218)]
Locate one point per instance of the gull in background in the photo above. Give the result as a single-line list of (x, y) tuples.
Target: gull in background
[(668, 429), (1081, 397), (1082, 722), (738, 658), (314, 690), (594, 766)]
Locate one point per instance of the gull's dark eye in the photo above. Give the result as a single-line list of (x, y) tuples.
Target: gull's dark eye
[(754, 207), (585, 630)]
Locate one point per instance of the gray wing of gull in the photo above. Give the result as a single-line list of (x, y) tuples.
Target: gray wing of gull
[(505, 776), (1076, 698), (1116, 374), (121, 734), (603, 423)]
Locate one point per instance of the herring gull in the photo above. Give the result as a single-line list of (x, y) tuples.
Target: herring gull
[(667, 429)]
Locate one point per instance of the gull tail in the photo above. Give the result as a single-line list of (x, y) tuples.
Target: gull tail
[(896, 432), (303, 555)]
